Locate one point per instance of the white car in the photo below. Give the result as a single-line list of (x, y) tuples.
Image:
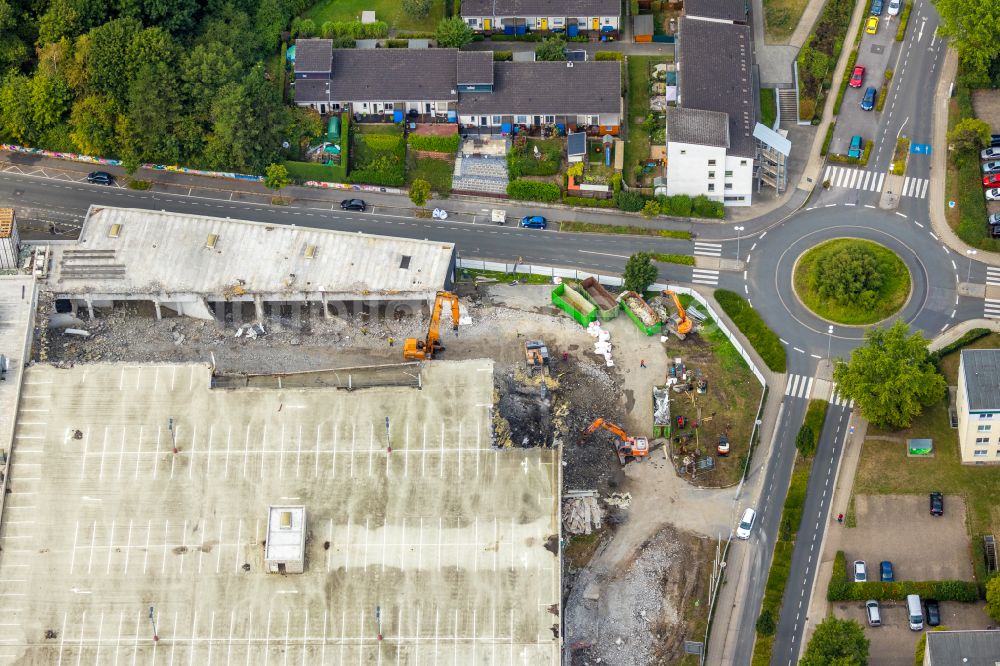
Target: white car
[(746, 524), (860, 571), (993, 195), (894, 7), (990, 153)]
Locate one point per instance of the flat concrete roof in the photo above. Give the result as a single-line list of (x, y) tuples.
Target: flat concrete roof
[(982, 379), (171, 254), (447, 539), (285, 544)]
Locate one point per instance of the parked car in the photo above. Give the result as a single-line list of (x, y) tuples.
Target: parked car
[(871, 27), (993, 194), (868, 101), (933, 612), (915, 613), (857, 147), (995, 140), (746, 524), (995, 231), (994, 219), (894, 7), (534, 222), (991, 167), (354, 204), (860, 571), (991, 153), (993, 180), (857, 76), (876, 8), (885, 570), (874, 617), (100, 178), (937, 504)]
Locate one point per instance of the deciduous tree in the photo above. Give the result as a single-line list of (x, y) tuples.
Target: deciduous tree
[(974, 27), (108, 62), (92, 126), (15, 109), (891, 376), (639, 272), (420, 192), (453, 33), (969, 134), (276, 177), (836, 642), (553, 48)]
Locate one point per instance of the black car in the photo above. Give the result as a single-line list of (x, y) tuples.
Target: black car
[(994, 140), (937, 504), (100, 178), (932, 610), (354, 204)]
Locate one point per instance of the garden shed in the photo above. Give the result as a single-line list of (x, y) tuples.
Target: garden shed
[(642, 27), (576, 146)]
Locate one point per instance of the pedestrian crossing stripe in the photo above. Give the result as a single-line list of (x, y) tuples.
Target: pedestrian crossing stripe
[(707, 249), (915, 187), (854, 179), (993, 275), (991, 308), (798, 386), (704, 276), (839, 400)]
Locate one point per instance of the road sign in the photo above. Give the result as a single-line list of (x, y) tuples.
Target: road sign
[(920, 148)]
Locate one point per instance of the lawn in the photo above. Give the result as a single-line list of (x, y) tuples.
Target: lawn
[(436, 172), (892, 295), (761, 337), (979, 485), (390, 11), (378, 154), (768, 107), (521, 160), (639, 76), (506, 278), (781, 18)]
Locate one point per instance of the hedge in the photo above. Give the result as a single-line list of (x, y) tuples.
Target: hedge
[(597, 228), (397, 43), (843, 84), (844, 159), (904, 18), (529, 190), (702, 206), (763, 339), (435, 144), (416, 35), (842, 588), (609, 55), (588, 202), (385, 142), (503, 56), (300, 172), (967, 338), (529, 37), (683, 259), (829, 137), (630, 202), (355, 29)]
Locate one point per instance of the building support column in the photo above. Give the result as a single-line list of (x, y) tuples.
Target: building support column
[(258, 304)]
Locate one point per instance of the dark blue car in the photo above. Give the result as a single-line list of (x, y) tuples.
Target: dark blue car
[(534, 222), (868, 101), (876, 7), (885, 569)]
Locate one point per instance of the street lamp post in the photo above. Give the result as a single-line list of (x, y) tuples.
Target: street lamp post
[(739, 230), (971, 254), (829, 341)]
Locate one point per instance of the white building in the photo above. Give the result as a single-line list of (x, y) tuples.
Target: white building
[(285, 548), (978, 406), (698, 159)]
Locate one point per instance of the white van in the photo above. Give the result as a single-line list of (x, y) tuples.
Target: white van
[(915, 611)]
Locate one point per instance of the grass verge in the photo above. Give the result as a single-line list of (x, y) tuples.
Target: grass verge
[(750, 323), (899, 156), (890, 297), (768, 107), (436, 172), (684, 259), (505, 278), (594, 228), (780, 19)]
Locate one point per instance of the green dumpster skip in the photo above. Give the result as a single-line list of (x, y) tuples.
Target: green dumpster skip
[(640, 313), (607, 307), (575, 305)]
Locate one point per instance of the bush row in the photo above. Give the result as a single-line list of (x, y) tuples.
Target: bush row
[(354, 29), (588, 202), (435, 144), (529, 37), (812, 427), (609, 55), (829, 137), (593, 227), (763, 339), (529, 190), (842, 588), (503, 56), (683, 259), (967, 338), (904, 19)]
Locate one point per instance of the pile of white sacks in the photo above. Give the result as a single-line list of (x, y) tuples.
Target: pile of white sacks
[(603, 345)]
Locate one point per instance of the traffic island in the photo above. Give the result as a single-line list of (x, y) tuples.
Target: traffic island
[(851, 281)]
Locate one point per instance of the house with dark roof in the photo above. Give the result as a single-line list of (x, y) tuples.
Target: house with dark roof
[(978, 406), (970, 647), (724, 11), (466, 87), (710, 143), (520, 16)]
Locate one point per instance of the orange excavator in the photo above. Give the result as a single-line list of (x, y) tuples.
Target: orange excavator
[(423, 350), (628, 448), (678, 324)]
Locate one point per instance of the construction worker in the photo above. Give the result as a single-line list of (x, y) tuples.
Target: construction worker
[(840, 518), (642, 363)]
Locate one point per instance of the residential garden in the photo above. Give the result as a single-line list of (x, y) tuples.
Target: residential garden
[(818, 58), (781, 17), (399, 15), (645, 127)]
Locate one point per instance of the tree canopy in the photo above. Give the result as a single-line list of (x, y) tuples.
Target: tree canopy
[(850, 276), (891, 377), (639, 272), (451, 32), (973, 27), (969, 134), (553, 48), (836, 643)]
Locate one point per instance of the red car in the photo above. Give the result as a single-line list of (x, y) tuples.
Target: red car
[(857, 77), (992, 180)]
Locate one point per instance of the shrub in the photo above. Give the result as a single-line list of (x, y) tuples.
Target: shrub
[(843, 83), (639, 273), (630, 202), (503, 56), (967, 338), (651, 209), (765, 623), (805, 441), (683, 259), (420, 192), (134, 184), (678, 205), (588, 202), (397, 43), (850, 276), (837, 589), (807, 108), (609, 55), (702, 206), (904, 18), (829, 137), (436, 144), (529, 190), (355, 29), (762, 338), (417, 8), (414, 35)]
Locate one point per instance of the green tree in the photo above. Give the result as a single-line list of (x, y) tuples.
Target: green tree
[(15, 109), (993, 598), (973, 27), (420, 192), (152, 46), (270, 20), (108, 62), (891, 376), (969, 134), (765, 623), (304, 28), (276, 177), (552, 49), (840, 642), (174, 16), (92, 126), (651, 209), (417, 8), (14, 49), (850, 276), (50, 99), (805, 441), (153, 109), (453, 33), (60, 20), (247, 123), (639, 272), (204, 70)]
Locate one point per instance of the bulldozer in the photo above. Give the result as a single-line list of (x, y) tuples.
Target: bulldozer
[(424, 350), (678, 324), (628, 448)]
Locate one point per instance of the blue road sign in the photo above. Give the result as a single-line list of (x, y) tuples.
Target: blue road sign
[(920, 148)]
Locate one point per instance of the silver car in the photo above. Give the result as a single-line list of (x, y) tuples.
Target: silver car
[(860, 571), (991, 153), (990, 168), (894, 7)]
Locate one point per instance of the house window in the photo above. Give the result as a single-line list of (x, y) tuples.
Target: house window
[(711, 174), (335, 107), (550, 119), (711, 163), (496, 120), (982, 440), (711, 187), (521, 120), (729, 174), (979, 453), (405, 261), (388, 106), (472, 22), (743, 162), (729, 186), (984, 428), (986, 416)]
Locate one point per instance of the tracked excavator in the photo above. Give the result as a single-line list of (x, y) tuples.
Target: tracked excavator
[(678, 324), (628, 448), (424, 350)]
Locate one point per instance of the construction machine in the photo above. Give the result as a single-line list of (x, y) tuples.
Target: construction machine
[(628, 447), (678, 324), (536, 356), (423, 350)]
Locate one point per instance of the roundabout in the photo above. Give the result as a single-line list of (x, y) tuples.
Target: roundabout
[(850, 281)]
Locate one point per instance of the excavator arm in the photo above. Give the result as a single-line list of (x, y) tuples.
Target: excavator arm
[(424, 350), (684, 324)]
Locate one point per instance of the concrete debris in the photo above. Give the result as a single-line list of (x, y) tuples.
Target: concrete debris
[(620, 500), (661, 405), (582, 516), (77, 331)]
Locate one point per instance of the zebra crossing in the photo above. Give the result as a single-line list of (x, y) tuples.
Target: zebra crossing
[(915, 187), (704, 276), (993, 276), (991, 308), (799, 386), (839, 400), (853, 179), (707, 249)]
